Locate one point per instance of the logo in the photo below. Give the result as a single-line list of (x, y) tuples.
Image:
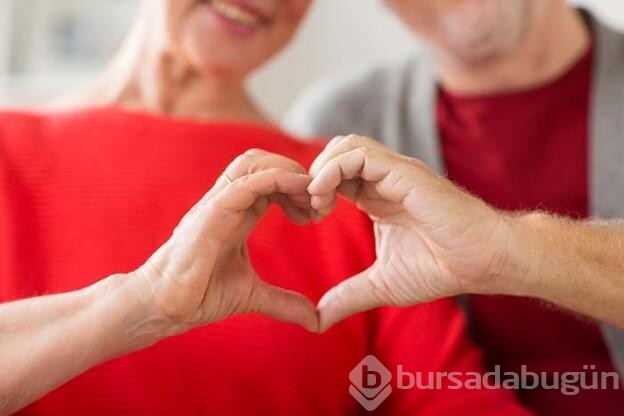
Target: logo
[(370, 383)]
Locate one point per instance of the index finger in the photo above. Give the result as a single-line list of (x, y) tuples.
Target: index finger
[(339, 145), (226, 207), (253, 161)]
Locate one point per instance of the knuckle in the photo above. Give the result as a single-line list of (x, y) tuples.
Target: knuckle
[(241, 162), (245, 163), (336, 140), (353, 140), (286, 164), (258, 182), (255, 152), (295, 167), (255, 160), (414, 161), (417, 164)]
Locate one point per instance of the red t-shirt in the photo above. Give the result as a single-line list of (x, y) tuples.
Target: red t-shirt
[(86, 195), (524, 151)]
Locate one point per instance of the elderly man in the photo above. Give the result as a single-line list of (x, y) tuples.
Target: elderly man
[(519, 102)]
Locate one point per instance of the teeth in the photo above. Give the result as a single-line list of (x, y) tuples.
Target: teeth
[(234, 13)]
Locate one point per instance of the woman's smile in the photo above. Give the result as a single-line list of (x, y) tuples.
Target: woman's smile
[(238, 16)]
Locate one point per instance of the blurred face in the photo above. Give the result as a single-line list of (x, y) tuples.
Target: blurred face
[(229, 38), (471, 31)]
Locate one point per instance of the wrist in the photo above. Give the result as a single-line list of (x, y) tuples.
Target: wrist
[(523, 250), (132, 322)]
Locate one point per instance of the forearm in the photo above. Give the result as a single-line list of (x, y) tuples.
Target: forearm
[(577, 265), (47, 341)]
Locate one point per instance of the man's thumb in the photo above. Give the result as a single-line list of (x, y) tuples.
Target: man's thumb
[(356, 294)]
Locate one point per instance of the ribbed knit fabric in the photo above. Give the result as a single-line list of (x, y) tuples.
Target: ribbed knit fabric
[(85, 195)]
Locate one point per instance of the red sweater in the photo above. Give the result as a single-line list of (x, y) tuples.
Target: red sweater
[(86, 195), (524, 151)]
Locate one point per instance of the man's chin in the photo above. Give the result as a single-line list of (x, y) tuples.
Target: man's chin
[(472, 57)]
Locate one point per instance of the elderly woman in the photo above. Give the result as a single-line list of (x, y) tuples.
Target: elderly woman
[(96, 188)]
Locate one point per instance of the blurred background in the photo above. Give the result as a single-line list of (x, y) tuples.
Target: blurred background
[(51, 46)]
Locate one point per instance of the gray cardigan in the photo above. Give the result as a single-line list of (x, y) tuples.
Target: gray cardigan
[(396, 103)]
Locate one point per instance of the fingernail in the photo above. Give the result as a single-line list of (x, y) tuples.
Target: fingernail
[(312, 187), (316, 201)]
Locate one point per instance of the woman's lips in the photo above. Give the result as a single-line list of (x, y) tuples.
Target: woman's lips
[(237, 13)]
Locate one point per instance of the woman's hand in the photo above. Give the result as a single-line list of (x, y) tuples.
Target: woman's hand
[(203, 274), (433, 239)]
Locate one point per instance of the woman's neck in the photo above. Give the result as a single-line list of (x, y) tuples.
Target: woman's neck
[(161, 88), (145, 76)]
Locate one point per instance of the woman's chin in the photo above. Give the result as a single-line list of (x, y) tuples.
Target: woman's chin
[(208, 48), (225, 42), (220, 61)]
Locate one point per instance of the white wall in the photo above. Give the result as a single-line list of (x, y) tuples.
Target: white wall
[(337, 34), (340, 33), (5, 40)]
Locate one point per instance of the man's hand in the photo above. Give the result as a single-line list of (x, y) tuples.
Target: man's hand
[(433, 239), (203, 274)]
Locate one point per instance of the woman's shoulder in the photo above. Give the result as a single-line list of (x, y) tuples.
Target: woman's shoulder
[(17, 119), (110, 123), (20, 131), (41, 123), (43, 133)]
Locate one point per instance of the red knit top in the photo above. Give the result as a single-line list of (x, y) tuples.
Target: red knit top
[(89, 194)]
